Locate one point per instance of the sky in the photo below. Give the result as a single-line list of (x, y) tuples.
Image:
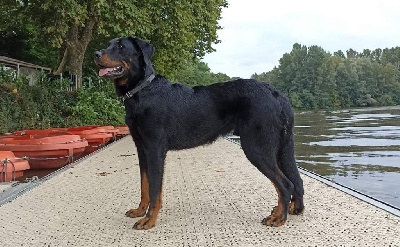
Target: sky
[(256, 33)]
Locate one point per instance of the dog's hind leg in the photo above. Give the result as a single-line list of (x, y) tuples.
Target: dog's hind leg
[(145, 197), (155, 158), (263, 156), (287, 164)]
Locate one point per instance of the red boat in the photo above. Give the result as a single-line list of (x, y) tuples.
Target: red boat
[(96, 137), (11, 167), (106, 129), (45, 151), (40, 132), (123, 131)]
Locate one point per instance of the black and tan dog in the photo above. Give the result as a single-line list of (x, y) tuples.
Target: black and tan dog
[(166, 116)]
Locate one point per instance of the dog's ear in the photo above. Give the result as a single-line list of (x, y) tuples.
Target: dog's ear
[(147, 51)]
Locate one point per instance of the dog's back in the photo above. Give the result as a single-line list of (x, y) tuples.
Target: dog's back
[(199, 115)]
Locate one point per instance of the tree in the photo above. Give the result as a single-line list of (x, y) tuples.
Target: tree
[(219, 77), (365, 53), (346, 79), (180, 30), (392, 56), (270, 77), (376, 55), (351, 53), (290, 68), (307, 76), (195, 73), (339, 53)]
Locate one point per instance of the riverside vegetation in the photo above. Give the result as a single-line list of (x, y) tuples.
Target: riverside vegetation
[(315, 79)]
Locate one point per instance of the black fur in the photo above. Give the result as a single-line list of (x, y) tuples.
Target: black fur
[(170, 116)]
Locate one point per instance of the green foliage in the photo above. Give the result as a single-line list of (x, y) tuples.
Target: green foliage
[(21, 38), (48, 104), (185, 30), (95, 108), (180, 30), (197, 73), (314, 79), (39, 106)]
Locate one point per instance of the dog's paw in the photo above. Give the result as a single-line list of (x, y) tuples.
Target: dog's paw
[(295, 209), (145, 223), (134, 213), (274, 209), (273, 220)]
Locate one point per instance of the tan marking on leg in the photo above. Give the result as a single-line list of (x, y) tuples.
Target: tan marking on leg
[(144, 202), (277, 217), (150, 221)]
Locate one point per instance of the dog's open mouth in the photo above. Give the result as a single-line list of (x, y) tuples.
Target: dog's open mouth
[(114, 72)]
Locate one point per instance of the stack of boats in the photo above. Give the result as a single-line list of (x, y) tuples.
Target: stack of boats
[(51, 148)]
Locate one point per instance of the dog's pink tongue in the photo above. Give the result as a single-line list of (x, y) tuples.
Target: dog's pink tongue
[(102, 72)]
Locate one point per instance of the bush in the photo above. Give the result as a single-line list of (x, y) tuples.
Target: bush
[(95, 108), (48, 104)]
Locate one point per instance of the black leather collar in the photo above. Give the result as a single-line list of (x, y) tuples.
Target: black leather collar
[(142, 84)]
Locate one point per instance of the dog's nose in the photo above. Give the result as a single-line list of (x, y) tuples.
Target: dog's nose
[(97, 54)]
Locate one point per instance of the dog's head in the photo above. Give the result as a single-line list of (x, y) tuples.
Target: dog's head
[(125, 60)]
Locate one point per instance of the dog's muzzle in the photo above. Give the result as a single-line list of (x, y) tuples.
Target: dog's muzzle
[(107, 71)]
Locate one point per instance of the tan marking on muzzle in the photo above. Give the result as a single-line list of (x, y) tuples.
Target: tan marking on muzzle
[(105, 61)]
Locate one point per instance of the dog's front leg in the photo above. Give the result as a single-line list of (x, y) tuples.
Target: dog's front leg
[(155, 172), (145, 197)]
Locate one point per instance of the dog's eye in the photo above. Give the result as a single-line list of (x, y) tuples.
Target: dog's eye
[(119, 45)]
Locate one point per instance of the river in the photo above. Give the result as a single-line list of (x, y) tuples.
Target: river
[(358, 148)]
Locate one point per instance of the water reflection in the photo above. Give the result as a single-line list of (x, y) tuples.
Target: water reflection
[(358, 148)]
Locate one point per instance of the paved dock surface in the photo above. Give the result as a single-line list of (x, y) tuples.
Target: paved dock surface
[(212, 196)]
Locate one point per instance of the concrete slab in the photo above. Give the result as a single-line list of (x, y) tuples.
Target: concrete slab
[(212, 196)]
